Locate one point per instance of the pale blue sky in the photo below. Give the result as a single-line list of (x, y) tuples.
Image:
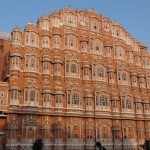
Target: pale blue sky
[(133, 15)]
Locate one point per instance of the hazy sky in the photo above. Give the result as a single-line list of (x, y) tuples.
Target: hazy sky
[(133, 15)]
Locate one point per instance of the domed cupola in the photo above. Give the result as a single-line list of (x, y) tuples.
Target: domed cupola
[(16, 36)]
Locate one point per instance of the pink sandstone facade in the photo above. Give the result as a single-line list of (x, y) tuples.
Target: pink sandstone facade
[(73, 79)]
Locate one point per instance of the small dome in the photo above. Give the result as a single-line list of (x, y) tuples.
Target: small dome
[(55, 14), (107, 43), (57, 59), (44, 18), (16, 29), (31, 27), (46, 58)]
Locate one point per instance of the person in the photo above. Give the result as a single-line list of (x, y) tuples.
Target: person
[(98, 144)]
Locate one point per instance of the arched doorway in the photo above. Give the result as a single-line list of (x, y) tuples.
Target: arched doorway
[(1, 140)]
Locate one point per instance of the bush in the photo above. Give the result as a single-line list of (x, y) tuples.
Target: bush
[(38, 144), (146, 145)]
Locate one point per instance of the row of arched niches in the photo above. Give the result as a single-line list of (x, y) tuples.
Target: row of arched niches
[(78, 30), (80, 46)]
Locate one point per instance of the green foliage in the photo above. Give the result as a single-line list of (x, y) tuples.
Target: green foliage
[(38, 144), (146, 145)]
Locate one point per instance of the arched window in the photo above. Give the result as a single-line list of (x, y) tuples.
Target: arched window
[(15, 62), (123, 102), (66, 41), (94, 70), (58, 100), (58, 133), (30, 133), (75, 99), (46, 67), (88, 103), (103, 100), (69, 97), (120, 53), (91, 45), (124, 76), (130, 132), (16, 37), (56, 41), (45, 25), (45, 42), (98, 133), (26, 95), (67, 67), (46, 99), (138, 107), (105, 133), (144, 61), (32, 38), (134, 81), (97, 48), (32, 95), (71, 20), (73, 68), (97, 44), (33, 63), (100, 72), (14, 96), (71, 42), (108, 51), (27, 61), (86, 71), (148, 82), (128, 104), (27, 38)]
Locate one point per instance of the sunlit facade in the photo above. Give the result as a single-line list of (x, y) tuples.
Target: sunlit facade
[(73, 79)]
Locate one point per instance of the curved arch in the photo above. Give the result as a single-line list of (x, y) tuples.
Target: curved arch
[(31, 95), (100, 89), (77, 122), (30, 122), (72, 68), (104, 122), (95, 17), (72, 86), (73, 97)]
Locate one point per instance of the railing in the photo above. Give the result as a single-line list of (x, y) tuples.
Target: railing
[(12, 140), (5, 35), (16, 43)]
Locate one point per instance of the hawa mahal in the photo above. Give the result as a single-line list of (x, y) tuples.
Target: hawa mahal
[(73, 78)]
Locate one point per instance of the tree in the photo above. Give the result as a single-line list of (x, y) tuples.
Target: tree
[(146, 145), (38, 144)]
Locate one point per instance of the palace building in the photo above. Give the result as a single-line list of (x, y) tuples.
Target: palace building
[(74, 78)]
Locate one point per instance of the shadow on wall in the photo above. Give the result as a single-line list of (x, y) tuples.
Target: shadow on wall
[(2, 132), (55, 137), (61, 138)]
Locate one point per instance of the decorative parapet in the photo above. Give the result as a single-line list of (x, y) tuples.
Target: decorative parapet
[(5, 35)]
